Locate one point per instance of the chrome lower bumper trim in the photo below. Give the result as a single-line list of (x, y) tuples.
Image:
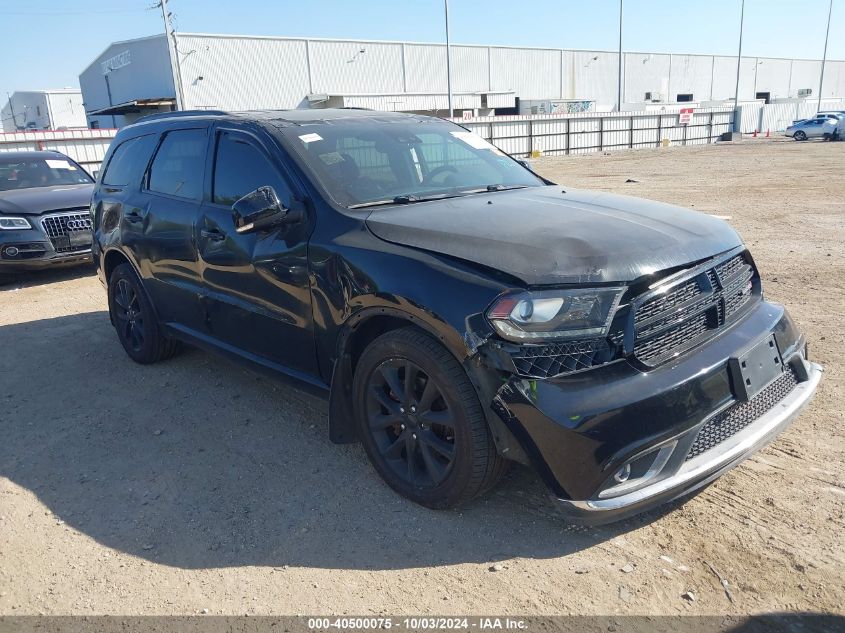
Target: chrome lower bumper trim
[(718, 459)]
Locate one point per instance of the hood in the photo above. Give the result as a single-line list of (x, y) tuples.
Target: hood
[(38, 200), (543, 236)]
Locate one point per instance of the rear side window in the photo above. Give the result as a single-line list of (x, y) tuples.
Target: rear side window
[(129, 161), (240, 168), (179, 164)]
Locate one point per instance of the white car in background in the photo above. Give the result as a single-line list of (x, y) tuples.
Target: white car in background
[(825, 128)]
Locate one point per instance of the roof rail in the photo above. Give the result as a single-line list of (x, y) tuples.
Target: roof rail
[(180, 113), (355, 108)]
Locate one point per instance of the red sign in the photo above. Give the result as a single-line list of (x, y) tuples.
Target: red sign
[(685, 117)]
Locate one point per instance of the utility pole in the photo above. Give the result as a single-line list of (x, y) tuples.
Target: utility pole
[(619, 74), (174, 55), (738, 66), (824, 59), (448, 61)]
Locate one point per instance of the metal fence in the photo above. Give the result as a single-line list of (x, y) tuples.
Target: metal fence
[(776, 117), (578, 133), (597, 132), (86, 147)]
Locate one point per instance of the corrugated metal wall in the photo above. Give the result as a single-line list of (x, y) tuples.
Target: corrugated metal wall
[(776, 117), (86, 147), (646, 72), (530, 73), (147, 76), (592, 75), (238, 72), (690, 74)]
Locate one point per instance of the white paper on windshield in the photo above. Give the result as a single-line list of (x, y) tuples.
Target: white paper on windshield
[(57, 164), (473, 140), (310, 138)]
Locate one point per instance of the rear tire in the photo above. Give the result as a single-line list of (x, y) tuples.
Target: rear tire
[(800, 136), (421, 423), (134, 319)]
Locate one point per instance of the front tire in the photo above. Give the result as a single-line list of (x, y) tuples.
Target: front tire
[(134, 319), (800, 136), (421, 423)]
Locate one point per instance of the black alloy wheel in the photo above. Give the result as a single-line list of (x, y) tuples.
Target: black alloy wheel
[(128, 315), (413, 427), (134, 318), (420, 421)]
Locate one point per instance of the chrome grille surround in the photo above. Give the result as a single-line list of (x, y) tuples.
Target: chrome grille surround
[(59, 225)]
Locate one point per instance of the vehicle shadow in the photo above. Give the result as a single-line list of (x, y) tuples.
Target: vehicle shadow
[(198, 463), (29, 279)]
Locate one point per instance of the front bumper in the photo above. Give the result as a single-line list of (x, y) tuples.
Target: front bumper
[(35, 251), (701, 470), (579, 430)]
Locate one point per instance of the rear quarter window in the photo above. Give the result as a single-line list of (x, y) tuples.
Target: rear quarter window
[(129, 161)]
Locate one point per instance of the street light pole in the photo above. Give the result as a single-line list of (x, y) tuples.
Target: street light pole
[(619, 73), (824, 59), (738, 66), (448, 61)]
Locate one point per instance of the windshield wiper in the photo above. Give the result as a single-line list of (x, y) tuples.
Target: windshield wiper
[(490, 188), (403, 199)]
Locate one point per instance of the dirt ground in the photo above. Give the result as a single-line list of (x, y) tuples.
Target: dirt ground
[(196, 484)]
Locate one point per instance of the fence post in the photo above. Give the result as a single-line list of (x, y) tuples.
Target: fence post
[(710, 128), (568, 135), (601, 134), (659, 129), (685, 131), (631, 133), (530, 137)]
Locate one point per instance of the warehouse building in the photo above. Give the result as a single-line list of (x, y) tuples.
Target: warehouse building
[(137, 77), (44, 110)]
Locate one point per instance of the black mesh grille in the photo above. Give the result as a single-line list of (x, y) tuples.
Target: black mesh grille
[(664, 303), (692, 311), (671, 339), (736, 417), (544, 361), (59, 227)]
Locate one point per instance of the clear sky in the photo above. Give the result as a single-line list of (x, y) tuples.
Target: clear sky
[(47, 43)]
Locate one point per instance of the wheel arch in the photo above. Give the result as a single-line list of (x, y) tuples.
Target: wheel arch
[(113, 258), (360, 330)]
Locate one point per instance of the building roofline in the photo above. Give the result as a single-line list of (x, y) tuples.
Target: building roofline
[(501, 46), (48, 91)]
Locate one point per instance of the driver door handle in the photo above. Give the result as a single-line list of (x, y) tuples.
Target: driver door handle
[(215, 235)]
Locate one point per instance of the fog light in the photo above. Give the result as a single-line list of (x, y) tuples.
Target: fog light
[(12, 251), (622, 474)]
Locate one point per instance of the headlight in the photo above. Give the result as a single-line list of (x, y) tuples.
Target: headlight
[(11, 224), (555, 314)]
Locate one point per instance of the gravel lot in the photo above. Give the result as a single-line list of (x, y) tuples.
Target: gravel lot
[(196, 484)]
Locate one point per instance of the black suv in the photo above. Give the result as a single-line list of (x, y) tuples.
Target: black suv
[(458, 310)]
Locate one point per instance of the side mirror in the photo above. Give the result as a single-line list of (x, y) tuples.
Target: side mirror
[(525, 163), (260, 210)]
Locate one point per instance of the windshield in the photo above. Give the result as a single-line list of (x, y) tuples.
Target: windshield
[(367, 162), (26, 173)]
